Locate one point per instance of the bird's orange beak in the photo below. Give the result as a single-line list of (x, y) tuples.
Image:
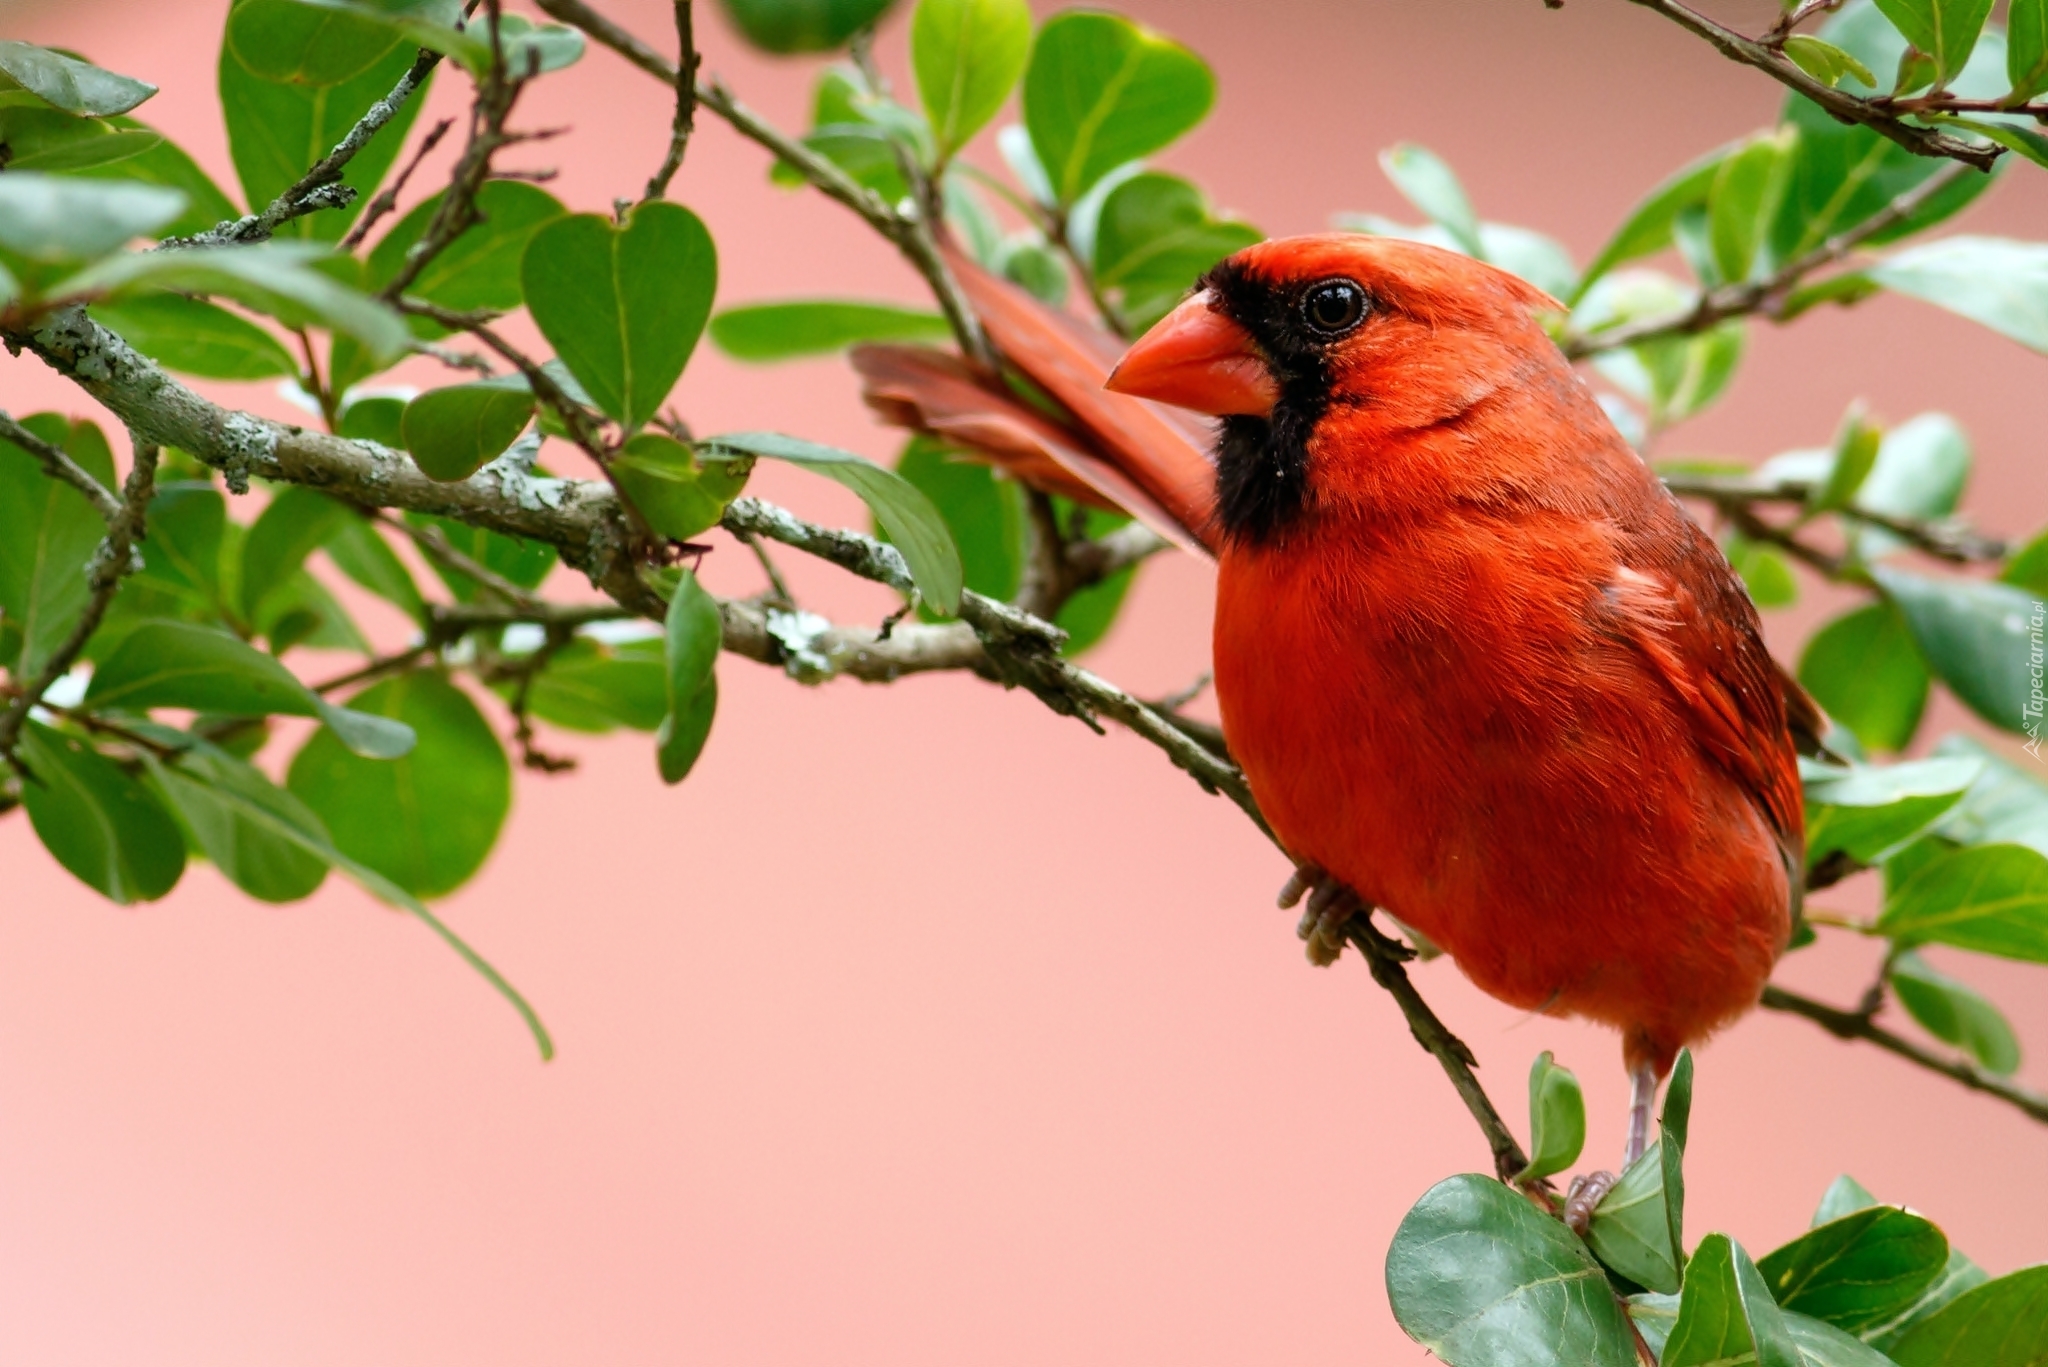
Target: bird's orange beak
[(1197, 358)]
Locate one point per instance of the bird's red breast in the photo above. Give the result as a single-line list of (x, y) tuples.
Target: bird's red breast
[(1475, 659)]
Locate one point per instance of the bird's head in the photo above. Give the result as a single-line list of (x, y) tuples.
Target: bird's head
[(1319, 353)]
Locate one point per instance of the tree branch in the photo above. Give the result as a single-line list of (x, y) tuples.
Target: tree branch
[(110, 564), (1856, 1025), (1948, 539), (1842, 105), (320, 187), (685, 121), (58, 465), (1767, 295)]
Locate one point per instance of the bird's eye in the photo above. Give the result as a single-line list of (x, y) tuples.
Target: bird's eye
[(1333, 307)]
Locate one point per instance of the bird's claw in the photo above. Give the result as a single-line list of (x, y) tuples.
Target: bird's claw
[(1325, 921), (1587, 1191)]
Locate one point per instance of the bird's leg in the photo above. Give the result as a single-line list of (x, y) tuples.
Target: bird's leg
[(1326, 918), (1587, 1191), (1642, 1098)]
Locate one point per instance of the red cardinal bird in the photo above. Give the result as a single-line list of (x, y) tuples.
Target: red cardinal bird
[(1477, 662)]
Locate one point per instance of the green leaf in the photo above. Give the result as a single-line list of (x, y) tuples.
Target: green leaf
[(1089, 613), (2005, 806), (985, 514), (277, 130), (1956, 1012), (678, 493), (967, 55), (809, 327), (525, 563), (1648, 227), (1858, 1271), (594, 687), (1866, 673), (2025, 141), (97, 821), (1844, 175), (212, 794), (360, 553), (50, 219), (1431, 186), (791, 26), (1824, 61), (1100, 91), (913, 524), (271, 277), (1922, 466), (1854, 456), (314, 45), (182, 557), (1155, 236), (178, 664), (1632, 1229), (1978, 637), (282, 818), (2003, 1323), (1995, 281), (480, 268), (1557, 1119), (197, 338), (1764, 572), (1474, 1267), (692, 637), (2027, 567), (1677, 1114), (1027, 259), (166, 164), (1946, 30), (425, 821), (2026, 53), (67, 83), (1869, 810), (48, 531), (1988, 898), (1726, 1314), (623, 306), (296, 522), (455, 431), (39, 139)]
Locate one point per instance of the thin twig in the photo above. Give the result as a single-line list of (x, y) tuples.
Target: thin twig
[(685, 121), (59, 465), (387, 198), (911, 235), (110, 564), (1766, 295), (320, 187), (436, 546), (1947, 539), (1854, 1025), (1840, 103)]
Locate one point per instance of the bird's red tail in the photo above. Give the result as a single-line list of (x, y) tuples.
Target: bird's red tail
[(1086, 443)]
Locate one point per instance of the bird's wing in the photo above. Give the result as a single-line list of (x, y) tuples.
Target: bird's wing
[(1142, 457), (1690, 618)]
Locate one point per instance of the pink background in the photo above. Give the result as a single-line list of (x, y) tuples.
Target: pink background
[(920, 1025)]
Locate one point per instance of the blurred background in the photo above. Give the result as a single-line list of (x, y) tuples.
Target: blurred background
[(920, 1025)]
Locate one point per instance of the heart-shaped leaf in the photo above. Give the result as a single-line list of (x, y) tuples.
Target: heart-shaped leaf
[(623, 305), (455, 431), (1101, 91), (677, 493)]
